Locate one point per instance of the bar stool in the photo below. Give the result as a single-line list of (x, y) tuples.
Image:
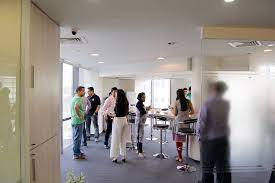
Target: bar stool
[(187, 132), (161, 127), (151, 138), (163, 119), (132, 126)]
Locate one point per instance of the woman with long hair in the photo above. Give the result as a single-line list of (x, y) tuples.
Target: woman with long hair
[(120, 127), (140, 122), (182, 109)]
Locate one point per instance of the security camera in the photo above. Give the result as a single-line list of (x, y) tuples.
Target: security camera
[(74, 31)]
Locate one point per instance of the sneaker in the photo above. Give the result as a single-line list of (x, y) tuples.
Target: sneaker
[(106, 147), (114, 160), (79, 157), (141, 155), (96, 140)]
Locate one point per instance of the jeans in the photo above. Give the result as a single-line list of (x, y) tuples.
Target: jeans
[(93, 118), (77, 136), (215, 153), (109, 130), (84, 135)]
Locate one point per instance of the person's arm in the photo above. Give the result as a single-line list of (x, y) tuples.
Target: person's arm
[(76, 108), (192, 111), (98, 105), (175, 110), (106, 105), (141, 109), (200, 127)]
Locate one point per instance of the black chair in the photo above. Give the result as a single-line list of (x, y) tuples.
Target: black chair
[(190, 131), (161, 127), (131, 120), (163, 119), (151, 138)]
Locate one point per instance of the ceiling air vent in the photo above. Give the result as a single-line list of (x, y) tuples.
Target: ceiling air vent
[(240, 44), (73, 40)]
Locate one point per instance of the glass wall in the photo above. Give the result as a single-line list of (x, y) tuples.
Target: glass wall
[(250, 81), (10, 49)]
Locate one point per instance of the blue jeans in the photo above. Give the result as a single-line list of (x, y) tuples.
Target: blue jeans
[(77, 136)]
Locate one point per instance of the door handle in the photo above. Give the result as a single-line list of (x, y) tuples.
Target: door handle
[(32, 76), (33, 168)]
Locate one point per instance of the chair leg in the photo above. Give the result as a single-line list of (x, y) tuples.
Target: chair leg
[(161, 155)]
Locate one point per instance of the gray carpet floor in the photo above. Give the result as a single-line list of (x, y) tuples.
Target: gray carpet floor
[(98, 168)]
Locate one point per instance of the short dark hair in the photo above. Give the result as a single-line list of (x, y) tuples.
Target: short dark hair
[(91, 89), (220, 87), (79, 88), (140, 95), (114, 89), (189, 88), (184, 88)]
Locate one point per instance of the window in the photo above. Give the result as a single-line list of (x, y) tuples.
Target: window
[(161, 93), (67, 98), (67, 89)]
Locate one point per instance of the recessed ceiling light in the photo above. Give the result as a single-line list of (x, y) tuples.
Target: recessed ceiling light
[(267, 50), (161, 58), (100, 62), (229, 1), (94, 54), (270, 45)]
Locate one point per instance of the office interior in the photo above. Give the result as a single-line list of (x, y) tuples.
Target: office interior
[(48, 48)]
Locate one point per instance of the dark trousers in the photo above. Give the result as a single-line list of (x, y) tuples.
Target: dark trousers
[(89, 119), (272, 178), (215, 153), (109, 130)]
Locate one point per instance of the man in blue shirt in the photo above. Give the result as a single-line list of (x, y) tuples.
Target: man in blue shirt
[(213, 133)]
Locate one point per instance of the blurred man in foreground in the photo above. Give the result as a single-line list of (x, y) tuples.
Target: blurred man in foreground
[(213, 133)]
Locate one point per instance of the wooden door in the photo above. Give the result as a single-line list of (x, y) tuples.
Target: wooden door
[(45, 89)]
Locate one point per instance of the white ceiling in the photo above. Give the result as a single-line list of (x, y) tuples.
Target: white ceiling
[(130, 34)]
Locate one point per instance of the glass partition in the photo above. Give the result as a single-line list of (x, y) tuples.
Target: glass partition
[(248, 72), (10, 61)]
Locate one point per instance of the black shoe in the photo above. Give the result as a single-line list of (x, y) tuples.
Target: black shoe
[(123, 160), (114, 160)]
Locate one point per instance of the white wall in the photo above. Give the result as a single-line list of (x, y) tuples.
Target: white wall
[(128, 85)]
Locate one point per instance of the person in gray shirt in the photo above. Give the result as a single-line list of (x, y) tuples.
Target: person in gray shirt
[(213, 133)]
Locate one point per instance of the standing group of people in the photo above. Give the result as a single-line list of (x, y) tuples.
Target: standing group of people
[(212, 126), (84, 110)]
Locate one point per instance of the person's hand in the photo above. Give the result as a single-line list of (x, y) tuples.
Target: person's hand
[(81, 117)]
